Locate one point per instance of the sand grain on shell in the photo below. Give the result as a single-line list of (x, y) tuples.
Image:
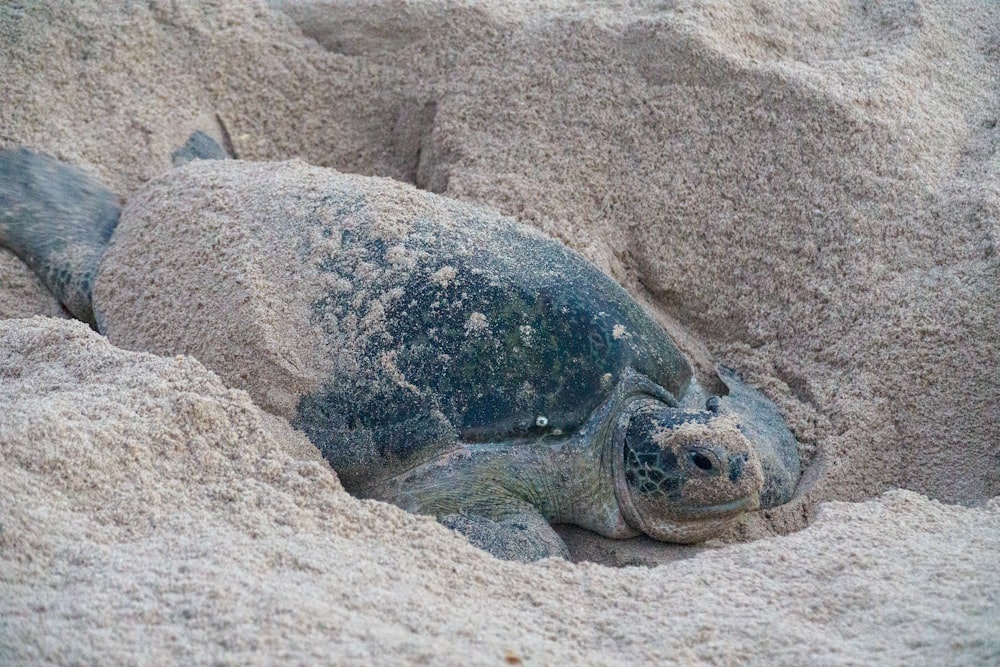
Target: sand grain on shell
[(806, 191)]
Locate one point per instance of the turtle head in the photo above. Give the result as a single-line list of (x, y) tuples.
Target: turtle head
[(683, 475)]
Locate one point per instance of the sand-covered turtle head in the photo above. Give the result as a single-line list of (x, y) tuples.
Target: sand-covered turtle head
[(683, 475)]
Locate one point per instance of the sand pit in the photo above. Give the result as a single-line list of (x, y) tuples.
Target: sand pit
[(807, 192)]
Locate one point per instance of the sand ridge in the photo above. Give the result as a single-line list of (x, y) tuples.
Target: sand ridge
[(161, 519)]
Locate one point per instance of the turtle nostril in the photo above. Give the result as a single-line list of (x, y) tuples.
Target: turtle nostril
[(701, 460)]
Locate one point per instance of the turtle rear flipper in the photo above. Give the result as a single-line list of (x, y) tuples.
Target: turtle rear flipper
[(523, 536), (58, 219), (199, 146)]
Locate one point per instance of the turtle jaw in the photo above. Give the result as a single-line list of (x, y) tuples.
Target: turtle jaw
[(695, 524), (680, 475), (720, 511)]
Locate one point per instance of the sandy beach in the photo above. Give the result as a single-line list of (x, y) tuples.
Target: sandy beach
[(806, 192)]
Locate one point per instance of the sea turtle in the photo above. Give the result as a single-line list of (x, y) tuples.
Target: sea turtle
[(442, 357)]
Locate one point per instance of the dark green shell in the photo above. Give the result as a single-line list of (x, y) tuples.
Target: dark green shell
[(518, 336)]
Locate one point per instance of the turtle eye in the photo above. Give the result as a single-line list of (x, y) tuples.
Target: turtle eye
[(704, 460)]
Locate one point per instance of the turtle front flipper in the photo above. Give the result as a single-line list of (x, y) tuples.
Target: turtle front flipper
[(58, 219), (523, 535)]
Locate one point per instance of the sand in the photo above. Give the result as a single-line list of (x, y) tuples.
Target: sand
[(806, 191), (22, 293), (157, 518)]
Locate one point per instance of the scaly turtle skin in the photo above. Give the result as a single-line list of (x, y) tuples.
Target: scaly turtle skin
[(502, 383)]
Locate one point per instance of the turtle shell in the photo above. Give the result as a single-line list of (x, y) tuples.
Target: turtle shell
[(384, 321), (493, 332)]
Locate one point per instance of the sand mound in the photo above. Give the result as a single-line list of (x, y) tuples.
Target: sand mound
[(151, 514), (806, 191)]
